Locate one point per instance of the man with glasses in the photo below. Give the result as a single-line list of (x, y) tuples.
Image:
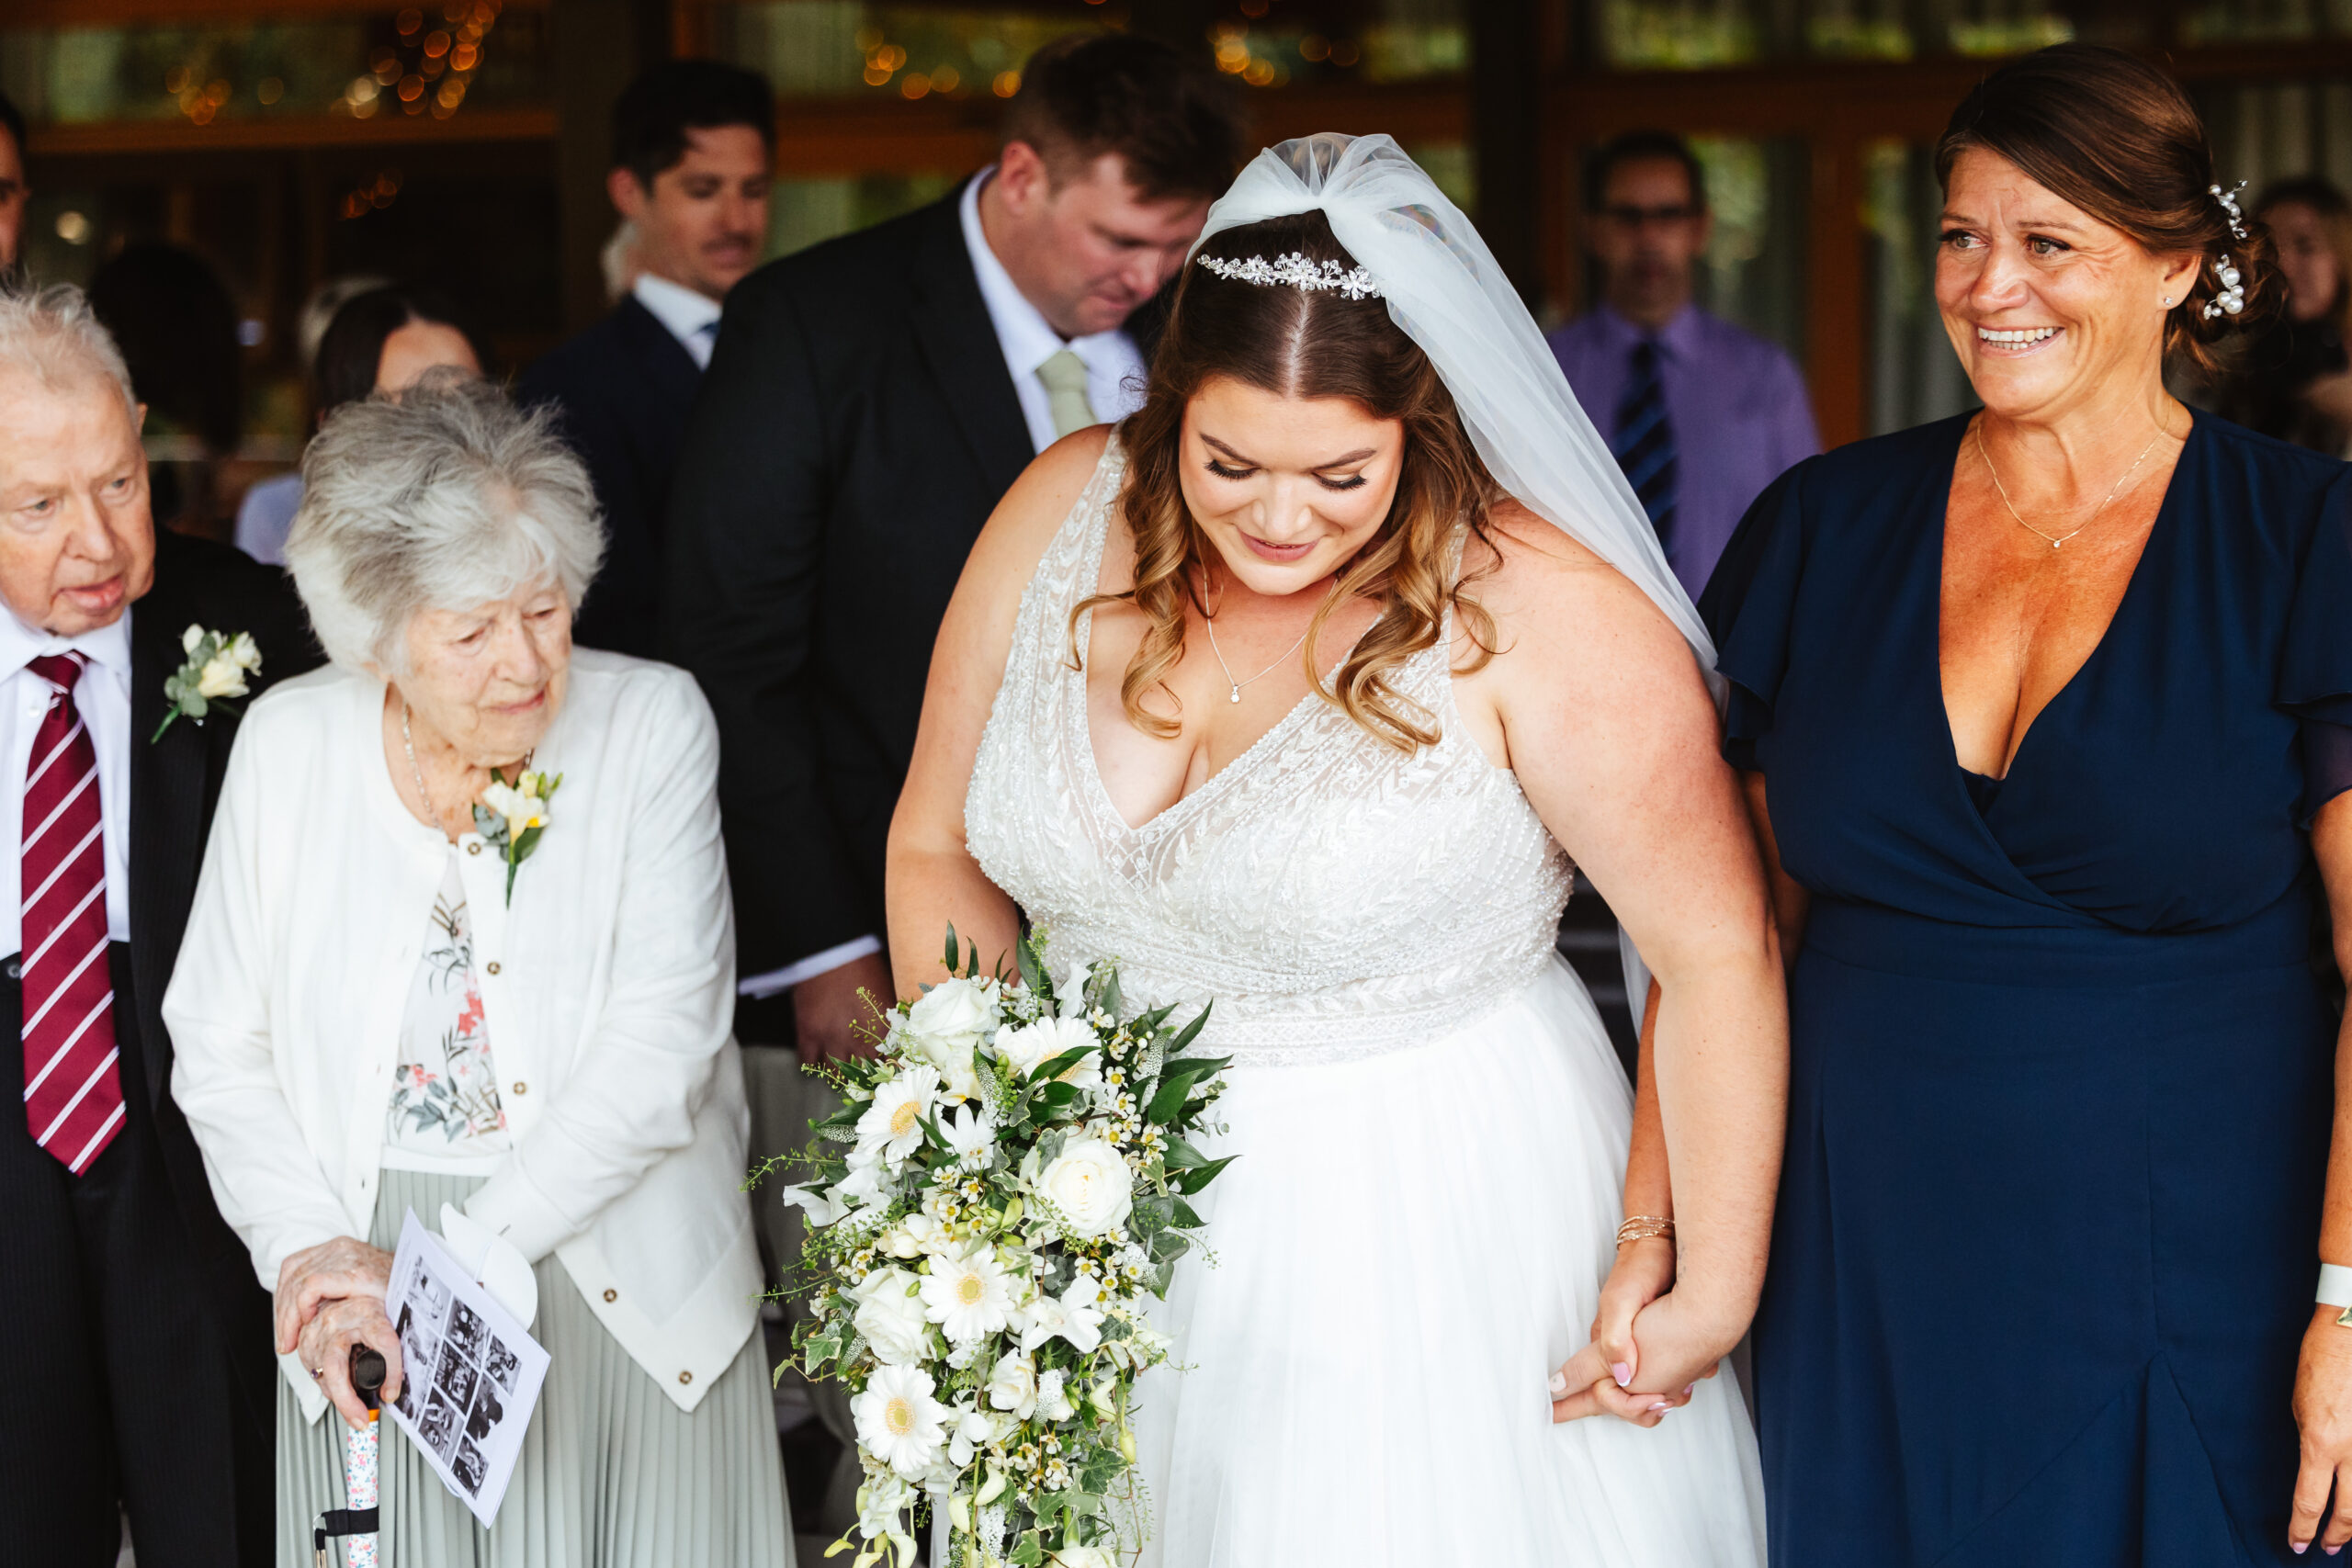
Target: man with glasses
[(1700, 414)]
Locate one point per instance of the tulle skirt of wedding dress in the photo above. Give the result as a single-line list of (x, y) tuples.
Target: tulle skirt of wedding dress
[(1404, 1250)]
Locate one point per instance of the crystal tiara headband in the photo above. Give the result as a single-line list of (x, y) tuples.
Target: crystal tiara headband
[(1296, 272)]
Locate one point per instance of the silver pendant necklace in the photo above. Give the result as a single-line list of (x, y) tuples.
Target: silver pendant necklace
[(1230, 682)]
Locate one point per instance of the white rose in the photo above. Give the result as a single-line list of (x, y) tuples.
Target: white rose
[(958, 1074), (1089, 1186), (891, 1317), (1081, 1557), (953, 1013), (1033, 1045), (1012, 1384)]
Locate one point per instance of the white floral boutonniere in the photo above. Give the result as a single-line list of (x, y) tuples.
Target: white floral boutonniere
[(511, 816), (217, 665)]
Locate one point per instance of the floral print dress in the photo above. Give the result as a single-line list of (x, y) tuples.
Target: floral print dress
[(445, 1113)]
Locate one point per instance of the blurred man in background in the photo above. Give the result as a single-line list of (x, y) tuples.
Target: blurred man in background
[(872, 399), (13, 192), (1700, 414), (692, 145)]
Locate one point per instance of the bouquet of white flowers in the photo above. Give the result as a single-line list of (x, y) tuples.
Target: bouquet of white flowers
[(988, 1213)]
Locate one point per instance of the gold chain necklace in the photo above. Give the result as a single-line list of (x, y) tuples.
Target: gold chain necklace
[(2057, 539)]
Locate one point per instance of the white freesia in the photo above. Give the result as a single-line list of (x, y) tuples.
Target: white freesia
[(915, 1236), (1012, 1384), (881, 1504), (972, 1430), (1072, 992), (971, 1134), (897, 1420), (824, 1208), (892, 1125), (864, 1186), (891, 1314), (968, 1295), (954, 1012), (1088, 1187), (224, 673), (521, 807), (1081, 1557), (1074, 1317), (1053, 1402)]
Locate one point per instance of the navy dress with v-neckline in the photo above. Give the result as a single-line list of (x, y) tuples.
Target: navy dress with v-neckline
[(2061, 1084)]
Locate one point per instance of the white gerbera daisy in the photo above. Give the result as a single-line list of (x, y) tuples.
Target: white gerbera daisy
[(968, 1295), (892, 1125), (971, 1134), (897, 1420)]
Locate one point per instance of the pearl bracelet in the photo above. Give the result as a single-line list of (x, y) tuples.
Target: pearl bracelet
[(1641, 1227)]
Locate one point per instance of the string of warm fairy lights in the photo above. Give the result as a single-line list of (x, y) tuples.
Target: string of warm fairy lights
[(436, 60)]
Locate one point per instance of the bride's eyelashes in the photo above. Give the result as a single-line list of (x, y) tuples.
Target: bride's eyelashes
[(1353, 481)]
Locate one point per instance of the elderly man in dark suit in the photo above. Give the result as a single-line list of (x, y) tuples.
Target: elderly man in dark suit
[(135, 1357), (692, 141), (870, 401)]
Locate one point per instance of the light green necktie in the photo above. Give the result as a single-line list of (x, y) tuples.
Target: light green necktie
[(1065, 379)]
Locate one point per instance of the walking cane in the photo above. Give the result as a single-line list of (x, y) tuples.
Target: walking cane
[(358, 1519)]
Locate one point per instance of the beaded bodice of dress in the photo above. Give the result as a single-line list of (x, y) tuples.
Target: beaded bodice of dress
[(1336, 898)]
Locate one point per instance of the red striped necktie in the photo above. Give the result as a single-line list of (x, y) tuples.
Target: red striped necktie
[(72, 1091)]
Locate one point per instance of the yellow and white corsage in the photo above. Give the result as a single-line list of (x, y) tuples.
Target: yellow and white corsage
[(216, 667), (511, 816)]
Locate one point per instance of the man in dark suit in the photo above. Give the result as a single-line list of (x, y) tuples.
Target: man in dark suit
[(871, 400), (692, 144), (136, 1374)]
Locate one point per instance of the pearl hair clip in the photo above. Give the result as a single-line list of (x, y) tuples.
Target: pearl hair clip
[(2232, 298), (1296, 272)]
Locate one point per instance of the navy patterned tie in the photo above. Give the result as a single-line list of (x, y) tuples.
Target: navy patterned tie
[(1644, 443)]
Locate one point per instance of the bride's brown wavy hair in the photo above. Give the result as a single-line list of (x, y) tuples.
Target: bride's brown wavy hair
[(1296, 343)]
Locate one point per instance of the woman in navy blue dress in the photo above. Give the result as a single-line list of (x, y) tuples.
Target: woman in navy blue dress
[(2039, 712)]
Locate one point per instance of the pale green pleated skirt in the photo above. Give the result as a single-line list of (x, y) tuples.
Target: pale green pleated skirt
[(611, 1474)]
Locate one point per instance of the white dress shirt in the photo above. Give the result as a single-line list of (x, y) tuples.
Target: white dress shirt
[(103, 698), (1115, 368), (692, 317), (606, 987)]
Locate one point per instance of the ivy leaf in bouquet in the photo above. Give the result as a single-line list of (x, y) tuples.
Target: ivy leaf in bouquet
[(1003, 1193)]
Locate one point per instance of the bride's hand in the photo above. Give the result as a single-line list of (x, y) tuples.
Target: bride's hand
[(1597, 1380)]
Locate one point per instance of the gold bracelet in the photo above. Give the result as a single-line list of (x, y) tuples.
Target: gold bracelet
[(1641, 1227)]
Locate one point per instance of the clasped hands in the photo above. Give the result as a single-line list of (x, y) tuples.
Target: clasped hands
[(331, 1297), (1651, 1344)]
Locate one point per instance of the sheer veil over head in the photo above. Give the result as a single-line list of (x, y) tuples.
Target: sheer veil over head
[(1444, 288)]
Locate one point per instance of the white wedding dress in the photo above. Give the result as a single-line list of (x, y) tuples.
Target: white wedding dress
[(1431, 1127)]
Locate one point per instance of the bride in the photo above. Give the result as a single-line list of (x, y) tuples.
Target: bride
[(1299, 690)]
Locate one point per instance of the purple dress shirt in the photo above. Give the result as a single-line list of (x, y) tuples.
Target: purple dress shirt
[(1738, 409)]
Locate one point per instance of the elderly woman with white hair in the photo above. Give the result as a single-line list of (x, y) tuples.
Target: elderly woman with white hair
[(396, 994)]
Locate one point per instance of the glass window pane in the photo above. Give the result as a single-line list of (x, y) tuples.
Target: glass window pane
[(830, 48), (428, 61), (802, 213), (1913, 376), (1696, 34), (1754, 269)]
